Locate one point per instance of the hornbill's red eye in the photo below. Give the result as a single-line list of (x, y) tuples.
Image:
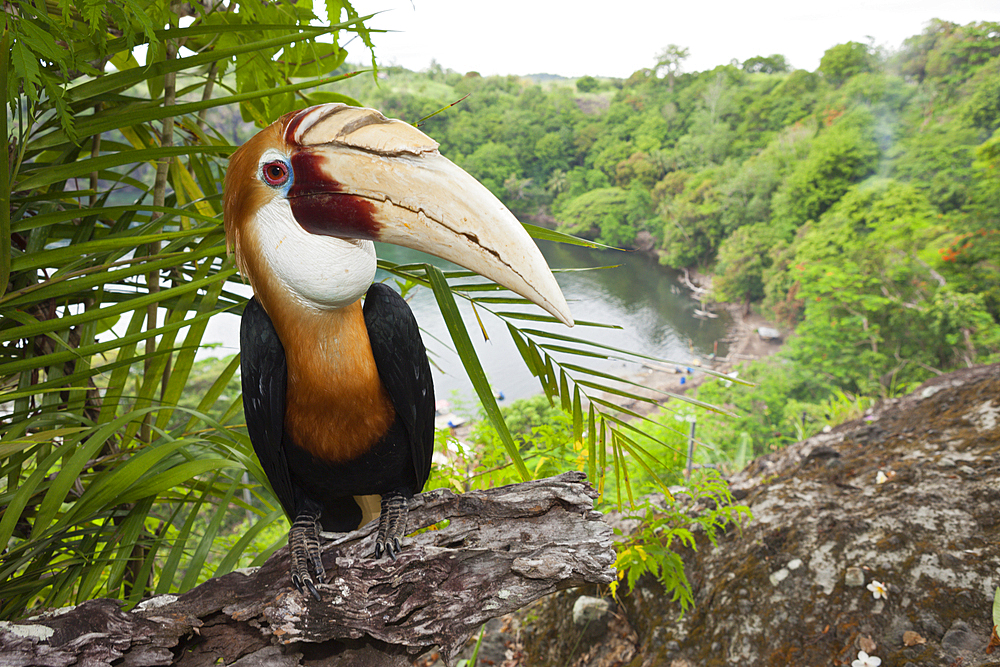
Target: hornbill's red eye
[(275, 173)]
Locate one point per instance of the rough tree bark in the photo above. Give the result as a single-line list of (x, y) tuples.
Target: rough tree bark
[(501, 549)]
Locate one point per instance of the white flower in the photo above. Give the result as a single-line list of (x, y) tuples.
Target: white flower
[(865, 660), (881, 478), (878, 589)]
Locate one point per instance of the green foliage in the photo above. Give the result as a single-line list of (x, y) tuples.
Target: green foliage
[(670, 60), (843, 61), (691, 224), (39, 67), (948, 53), (523, 416), (938, 160), (492, 163), (772, 64), (982, 106), (612, 216), (840, 156), (791, 100), (874, 311), (639, 168), (227, 409), (768, 414), (748, 194), (114, 482), (545, 435), (743, 259), (654, 548), (550, 149), (968, 259), (587, 84)]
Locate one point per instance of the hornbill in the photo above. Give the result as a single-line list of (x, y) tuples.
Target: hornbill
[(338, 396)]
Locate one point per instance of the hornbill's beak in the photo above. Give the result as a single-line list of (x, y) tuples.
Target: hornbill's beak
[(358, 175)]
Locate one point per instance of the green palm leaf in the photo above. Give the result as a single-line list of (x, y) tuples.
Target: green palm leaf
[(110, 484)]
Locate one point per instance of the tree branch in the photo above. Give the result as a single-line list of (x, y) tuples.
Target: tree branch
[(500, 550)]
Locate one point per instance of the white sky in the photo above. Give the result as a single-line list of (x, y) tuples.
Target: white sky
[(577, 37)]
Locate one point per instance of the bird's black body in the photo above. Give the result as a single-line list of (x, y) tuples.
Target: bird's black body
[(398, 463)]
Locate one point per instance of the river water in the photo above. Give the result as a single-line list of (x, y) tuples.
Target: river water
[(655, 314)]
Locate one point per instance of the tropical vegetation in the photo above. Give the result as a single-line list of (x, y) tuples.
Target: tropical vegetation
[(856, 204), (125, 467)]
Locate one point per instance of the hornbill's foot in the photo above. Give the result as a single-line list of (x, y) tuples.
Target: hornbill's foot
[(303, 542), (391, 525)]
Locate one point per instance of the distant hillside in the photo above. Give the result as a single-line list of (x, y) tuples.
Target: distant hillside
[(857, 205), (542, 78)]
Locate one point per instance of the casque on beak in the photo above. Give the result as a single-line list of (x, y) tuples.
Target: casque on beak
[(358, 175)]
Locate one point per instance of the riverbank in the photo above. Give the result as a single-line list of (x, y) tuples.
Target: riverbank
[(745, 344), (741, 343), (655, 380)]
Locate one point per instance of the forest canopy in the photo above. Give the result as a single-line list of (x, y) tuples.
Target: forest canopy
[(857, 204)]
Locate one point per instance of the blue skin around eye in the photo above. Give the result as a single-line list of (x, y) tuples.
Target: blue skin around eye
[(287, 185)]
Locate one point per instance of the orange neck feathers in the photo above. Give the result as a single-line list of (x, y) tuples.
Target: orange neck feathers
[(336, 406)]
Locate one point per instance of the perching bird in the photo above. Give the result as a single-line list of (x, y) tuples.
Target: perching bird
[(338, 396)]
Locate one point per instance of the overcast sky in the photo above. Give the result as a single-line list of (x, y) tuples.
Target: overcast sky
[(577, 37)]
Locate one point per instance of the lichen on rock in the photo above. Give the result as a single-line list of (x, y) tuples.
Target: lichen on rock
[(794, 586)]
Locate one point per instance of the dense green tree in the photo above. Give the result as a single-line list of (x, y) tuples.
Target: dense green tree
[(639, 212), (607, 153), (772, 64), (639, 168), (970, 250), (884, 93), (587, 84), (691, 229), (982, 106), (937, 158), (843, 61), (912, 58), (550, 151), (949, 53), (840, 156), (710, 135), (793, 98), (579, 180), (743, 259), (748, 194), (612, 216), (492, 163), (875, 312), (669, 60)]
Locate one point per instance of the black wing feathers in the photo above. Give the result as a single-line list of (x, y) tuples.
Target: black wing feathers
[(263, 373), (403, 367)]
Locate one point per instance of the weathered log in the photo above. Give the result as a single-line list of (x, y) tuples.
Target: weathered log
[(500, 550)]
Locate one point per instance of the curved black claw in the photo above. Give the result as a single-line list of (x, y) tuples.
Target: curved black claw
[(391, 525), (303, 541)]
